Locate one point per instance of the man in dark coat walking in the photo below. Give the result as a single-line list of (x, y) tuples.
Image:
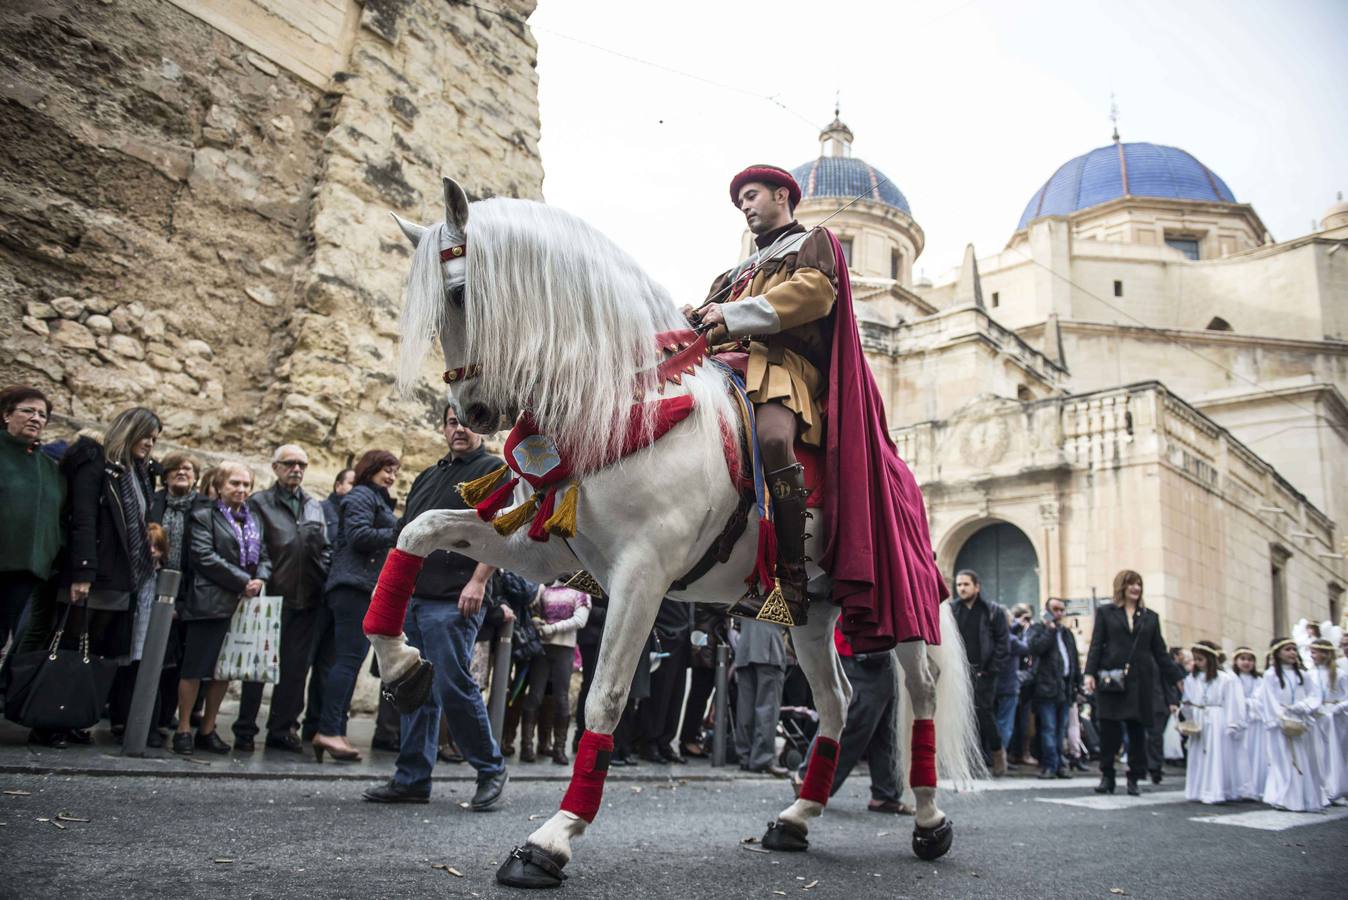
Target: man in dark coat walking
[(982, 625)]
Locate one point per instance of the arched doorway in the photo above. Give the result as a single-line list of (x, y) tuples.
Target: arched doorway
[(1005, 561)]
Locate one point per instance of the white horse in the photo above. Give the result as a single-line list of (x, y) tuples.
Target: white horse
[(536, 310)]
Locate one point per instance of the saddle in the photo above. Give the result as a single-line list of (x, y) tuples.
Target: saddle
[(810, 458)]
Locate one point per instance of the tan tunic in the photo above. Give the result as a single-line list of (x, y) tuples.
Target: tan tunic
[(779, 307)]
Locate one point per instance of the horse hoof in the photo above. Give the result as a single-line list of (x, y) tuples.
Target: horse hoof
[(785, 836), (933, 843), (408, 693), (530, 867)]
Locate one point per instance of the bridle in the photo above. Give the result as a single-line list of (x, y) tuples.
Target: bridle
[(462, 373)]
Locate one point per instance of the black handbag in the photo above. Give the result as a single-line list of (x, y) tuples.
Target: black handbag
[(59, 689), (1115, 681)]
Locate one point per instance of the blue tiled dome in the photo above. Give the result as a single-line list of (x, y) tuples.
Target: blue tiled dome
[(1118, 170), (845, 177)]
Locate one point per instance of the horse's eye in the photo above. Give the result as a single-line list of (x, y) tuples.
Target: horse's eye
[(456, 296)]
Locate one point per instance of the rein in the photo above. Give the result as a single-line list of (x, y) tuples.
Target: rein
[(687, 348)]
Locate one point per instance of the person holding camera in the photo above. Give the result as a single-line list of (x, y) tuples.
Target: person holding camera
[(1126, 657), (1057, 677)]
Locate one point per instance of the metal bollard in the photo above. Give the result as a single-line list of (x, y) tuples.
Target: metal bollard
[(500, 678), (143, 711), (722, 708)]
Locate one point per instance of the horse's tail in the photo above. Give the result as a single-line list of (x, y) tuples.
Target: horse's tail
[(959, 755)]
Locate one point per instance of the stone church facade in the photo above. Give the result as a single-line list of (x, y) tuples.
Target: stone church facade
[(1141, 379), (206, 230)]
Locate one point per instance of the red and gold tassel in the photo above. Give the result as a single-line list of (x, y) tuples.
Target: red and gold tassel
[(563, 521), (510, 522), (475, 491)]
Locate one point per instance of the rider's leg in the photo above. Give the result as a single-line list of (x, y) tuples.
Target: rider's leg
[(777, 427)]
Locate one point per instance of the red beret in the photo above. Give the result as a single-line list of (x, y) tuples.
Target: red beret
[(770, 175)]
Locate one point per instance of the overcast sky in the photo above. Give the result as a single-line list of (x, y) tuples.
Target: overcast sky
[(967, 105)]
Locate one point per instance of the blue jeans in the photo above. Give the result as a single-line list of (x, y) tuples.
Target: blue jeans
[(348, 606), (1052, 716), (1005, 714), (445, 637)]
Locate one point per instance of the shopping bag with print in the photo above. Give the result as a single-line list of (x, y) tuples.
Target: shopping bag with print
[(252, 646)]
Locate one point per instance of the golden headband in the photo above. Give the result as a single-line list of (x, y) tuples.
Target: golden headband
[(1204, 648), (1285, 642)]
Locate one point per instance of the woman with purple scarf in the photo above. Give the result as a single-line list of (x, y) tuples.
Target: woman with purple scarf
[(229, 561)]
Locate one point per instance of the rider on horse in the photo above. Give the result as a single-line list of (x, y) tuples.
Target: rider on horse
[(777, 306), (789, 305)]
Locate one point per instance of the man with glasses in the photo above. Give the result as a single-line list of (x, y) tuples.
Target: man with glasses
[(297, 543), (1057, 678)]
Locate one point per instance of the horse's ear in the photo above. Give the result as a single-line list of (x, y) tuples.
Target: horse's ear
[(413, 231), (456, 206)]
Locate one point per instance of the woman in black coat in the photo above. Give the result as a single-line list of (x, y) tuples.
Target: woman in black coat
[(229, 560), (1127, 635), (106, 573), (366, 535)]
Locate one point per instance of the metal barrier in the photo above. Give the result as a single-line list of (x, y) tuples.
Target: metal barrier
[(500, 678), (721, 705), (144, 710)]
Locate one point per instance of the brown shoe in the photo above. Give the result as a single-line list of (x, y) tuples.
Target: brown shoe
[(892, 807)]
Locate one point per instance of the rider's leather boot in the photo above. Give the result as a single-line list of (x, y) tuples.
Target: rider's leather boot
[(786, 602)]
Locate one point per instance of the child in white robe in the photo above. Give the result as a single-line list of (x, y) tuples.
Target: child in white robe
[(1214, 717), (1288, 701), (1331, 722), (1251, 756)]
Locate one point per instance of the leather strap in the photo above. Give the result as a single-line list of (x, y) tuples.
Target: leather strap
[(721, 548)]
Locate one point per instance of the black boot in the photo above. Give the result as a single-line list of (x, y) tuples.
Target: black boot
[(512, 725), (786, 602), (559, 726), (528, 723), (1106, 785), (1133, 789)]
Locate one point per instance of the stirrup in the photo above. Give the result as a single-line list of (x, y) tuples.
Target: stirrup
[(778, 607)]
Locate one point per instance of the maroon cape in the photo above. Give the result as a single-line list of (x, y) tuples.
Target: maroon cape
[(879, 548)]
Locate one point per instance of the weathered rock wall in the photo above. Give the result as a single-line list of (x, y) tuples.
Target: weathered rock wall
[(187, 225)]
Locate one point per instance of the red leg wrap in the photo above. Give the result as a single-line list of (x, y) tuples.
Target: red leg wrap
[(388, 606), (819, 772), (586, 790), (922, 772)]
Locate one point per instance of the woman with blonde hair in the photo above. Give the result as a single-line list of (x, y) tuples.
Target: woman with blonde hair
[(1126, 657)]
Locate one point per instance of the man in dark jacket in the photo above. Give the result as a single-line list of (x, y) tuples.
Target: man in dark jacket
[(659, 713), (982, 625), (1057, 678), (297, 542), (443, 618)]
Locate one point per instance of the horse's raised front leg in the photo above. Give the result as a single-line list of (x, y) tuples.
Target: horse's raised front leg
[(818, 659), (631, 614), (932, 833), (406, 677)]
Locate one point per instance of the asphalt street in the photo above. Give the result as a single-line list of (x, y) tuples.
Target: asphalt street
[(228, 837)]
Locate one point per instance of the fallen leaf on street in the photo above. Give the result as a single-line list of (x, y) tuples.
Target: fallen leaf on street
[(754, 849), (17, 793), (780, 893), (810, 885), (535, 816), (1119, 891), (636, 789), (453, 871), (62, 817), (463, 803), (883, 833), (222, 860), (54, 822)]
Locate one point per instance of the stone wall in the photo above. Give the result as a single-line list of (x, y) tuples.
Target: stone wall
[(186, 224)]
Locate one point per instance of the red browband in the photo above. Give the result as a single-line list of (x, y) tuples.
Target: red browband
[(453, 252), (463, 373)]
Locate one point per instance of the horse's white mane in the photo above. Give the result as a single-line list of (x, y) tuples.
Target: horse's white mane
[(562, 321)]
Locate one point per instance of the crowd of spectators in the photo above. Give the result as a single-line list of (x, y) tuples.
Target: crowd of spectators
[(87, 522)]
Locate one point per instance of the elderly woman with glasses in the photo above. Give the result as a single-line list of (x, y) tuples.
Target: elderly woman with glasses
[(31, 494)]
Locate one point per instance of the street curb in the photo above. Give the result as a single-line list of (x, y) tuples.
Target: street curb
[(202, 772)]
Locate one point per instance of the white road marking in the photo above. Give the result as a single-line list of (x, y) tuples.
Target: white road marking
[(1115, 801), (1275, 819), (1024, 784)]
